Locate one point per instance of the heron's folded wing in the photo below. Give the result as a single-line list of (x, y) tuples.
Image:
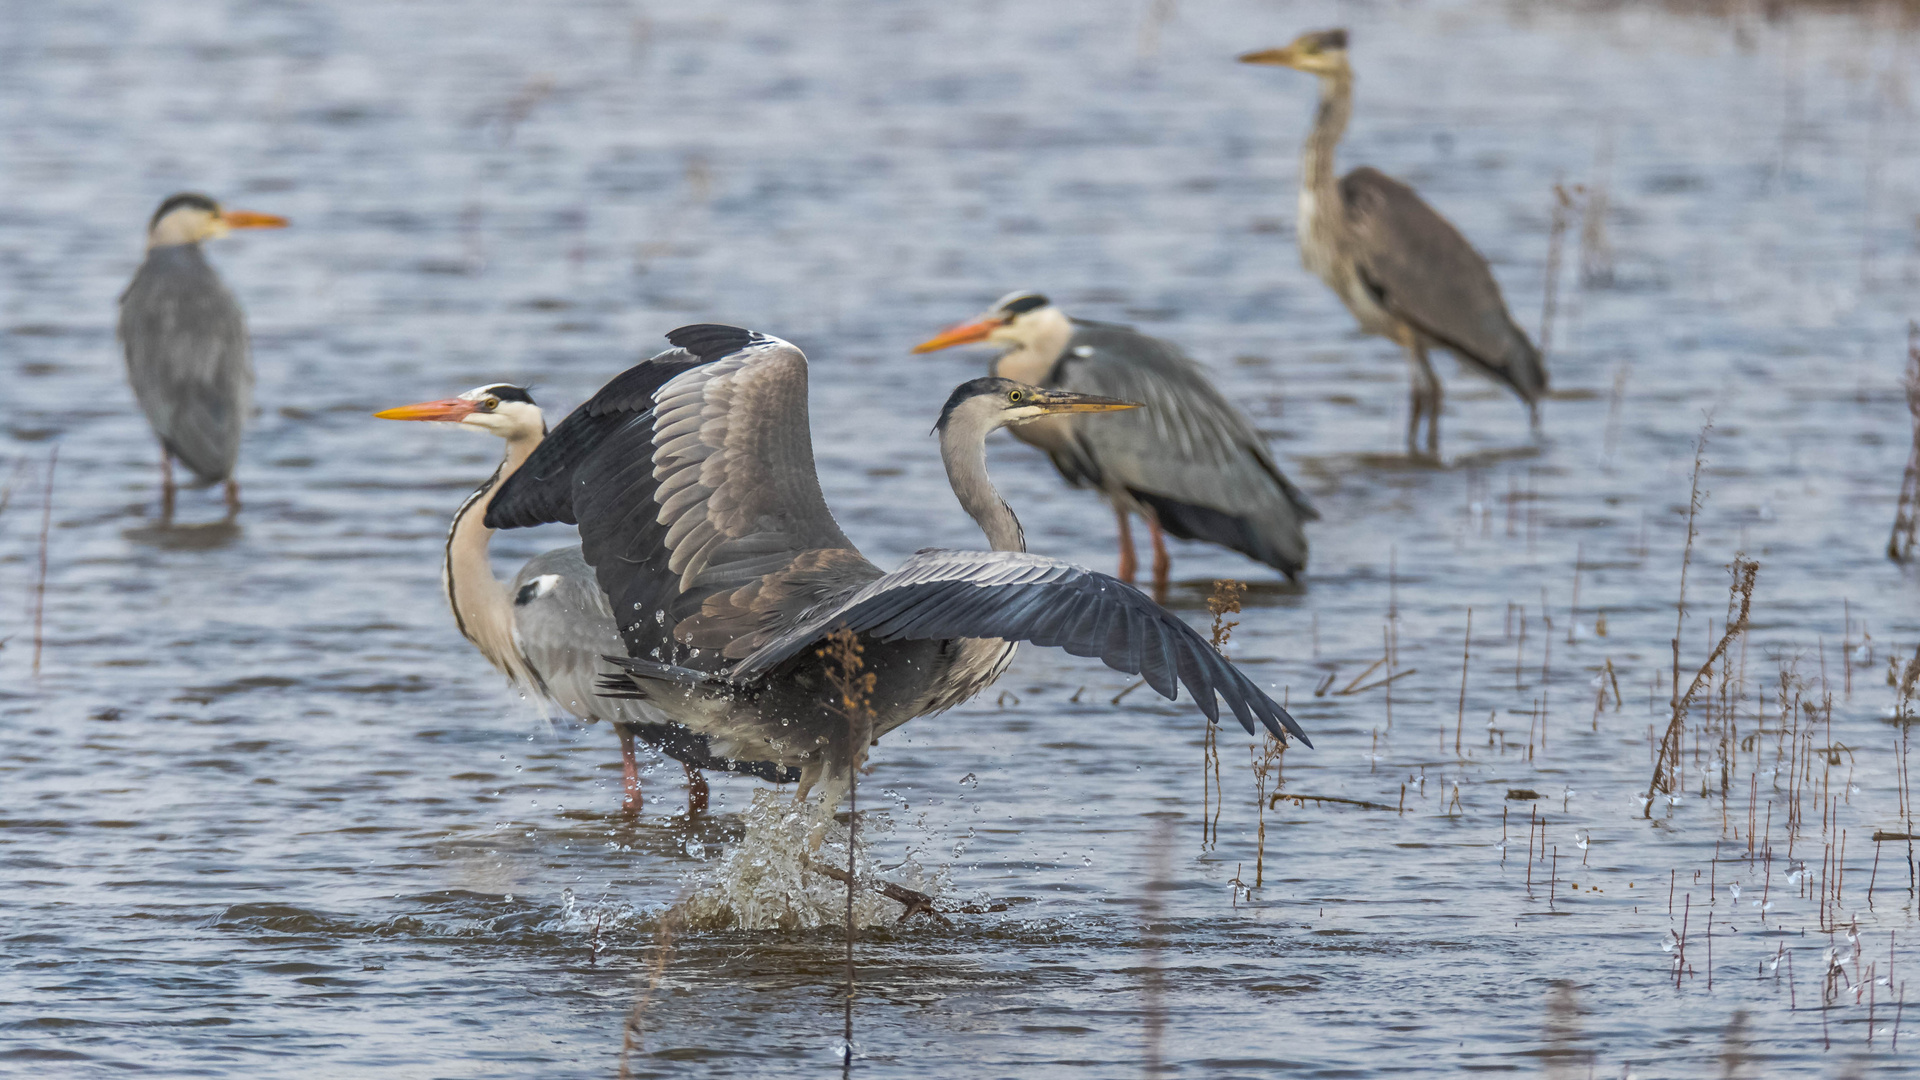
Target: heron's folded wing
[(1189, 441), (563, 625), (1423, 270), (186, 347), (1016, 596)]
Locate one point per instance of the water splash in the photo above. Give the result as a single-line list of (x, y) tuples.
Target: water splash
[(763, 883)]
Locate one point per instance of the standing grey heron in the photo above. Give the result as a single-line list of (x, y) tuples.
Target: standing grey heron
[(691, 477), (1403, 270), (185, 339), (1188, 462), (549, 629)]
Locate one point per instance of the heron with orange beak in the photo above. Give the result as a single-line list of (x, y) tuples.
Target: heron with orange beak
[(1189, 463), (550, 629), (186, 345)]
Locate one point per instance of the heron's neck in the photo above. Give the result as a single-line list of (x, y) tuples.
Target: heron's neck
[(1032, 360), (963, 449), (1329, 123), (481, 607)]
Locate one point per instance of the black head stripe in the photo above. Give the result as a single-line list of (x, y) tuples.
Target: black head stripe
[(985, 386), (175, 202), (1331, 39), (510, 392), (1020, 305)]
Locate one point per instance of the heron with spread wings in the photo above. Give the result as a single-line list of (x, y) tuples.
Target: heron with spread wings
[(691, 478), (186, 344), (1403, 270), (550, 629), (1189, 463)]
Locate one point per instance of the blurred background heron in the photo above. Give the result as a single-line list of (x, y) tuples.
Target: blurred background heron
[(186, 345), (691, 477), (1189, 463), (1403, 270), (549, 630)]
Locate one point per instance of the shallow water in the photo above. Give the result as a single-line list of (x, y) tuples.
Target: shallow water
[(266, 814)]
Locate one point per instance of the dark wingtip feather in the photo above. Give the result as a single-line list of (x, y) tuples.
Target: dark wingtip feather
[(711, 341)]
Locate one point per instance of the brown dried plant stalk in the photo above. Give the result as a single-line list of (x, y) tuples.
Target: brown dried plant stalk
[(1224, 601), (846, 672), (1739, 603), (633, 1036), (1268, 755), (1906, 516)]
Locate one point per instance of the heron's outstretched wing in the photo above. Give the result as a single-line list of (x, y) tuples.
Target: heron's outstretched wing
[(1016, 596), (1420, 268), (186, 347), (701, 514), (1190, 455)]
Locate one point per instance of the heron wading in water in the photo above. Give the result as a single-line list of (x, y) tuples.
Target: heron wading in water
[(1188, 462), (549, 630), (1403, 270), (691, 477), (185, 339)]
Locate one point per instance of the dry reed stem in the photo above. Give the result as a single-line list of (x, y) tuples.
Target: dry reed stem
[(1740, 593), (846, 673), (1906, 516), (40, 580), (1460, 715), (1224, 601), (633, 1034), (1563, 202)]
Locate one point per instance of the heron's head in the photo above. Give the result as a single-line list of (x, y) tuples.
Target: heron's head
[(1017, 320), (503, 409), (187, 218), (1323, 52), (993, 402)]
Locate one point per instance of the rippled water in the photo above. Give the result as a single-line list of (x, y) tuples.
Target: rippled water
[(264, 813)]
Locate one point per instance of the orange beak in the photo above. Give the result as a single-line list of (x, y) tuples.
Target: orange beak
[(963, 334), (247, 219), (445, 409)]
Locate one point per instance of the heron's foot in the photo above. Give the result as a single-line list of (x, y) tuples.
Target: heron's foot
[(696, 790)]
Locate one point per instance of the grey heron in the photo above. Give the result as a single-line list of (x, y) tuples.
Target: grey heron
[(1189, 462), (1403, 270), (691, 478), (185, 339), (548, 630)]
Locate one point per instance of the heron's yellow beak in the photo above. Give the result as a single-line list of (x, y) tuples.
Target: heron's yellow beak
[(447, 409), (247, 219), (1282, 57), (963, 334), (1061, 401)]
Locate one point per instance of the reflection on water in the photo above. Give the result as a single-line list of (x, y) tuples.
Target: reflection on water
[(264, 813)]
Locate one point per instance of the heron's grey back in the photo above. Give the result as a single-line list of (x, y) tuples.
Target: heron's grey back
[(1421, 269), (563, 625), (1189, 454), (185, 339)]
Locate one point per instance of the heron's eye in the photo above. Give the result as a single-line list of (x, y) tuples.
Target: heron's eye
[(1014, 395), (490, 404)]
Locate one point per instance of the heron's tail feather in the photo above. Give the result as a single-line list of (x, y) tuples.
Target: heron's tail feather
[(1271, 535)]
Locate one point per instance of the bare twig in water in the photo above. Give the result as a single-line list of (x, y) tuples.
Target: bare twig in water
[(1224, 601), (1268, 755), (633, 1036), (1460, 716), (1906, 516), (1279, 797), (1563, 203), (846, 672), (40, 581), (1667, 761)]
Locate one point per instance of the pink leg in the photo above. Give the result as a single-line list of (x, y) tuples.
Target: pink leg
[(1162, 563), (1127, 566), (696, 790), (629, 772)]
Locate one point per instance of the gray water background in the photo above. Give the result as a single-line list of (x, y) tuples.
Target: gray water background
[(264, 813)]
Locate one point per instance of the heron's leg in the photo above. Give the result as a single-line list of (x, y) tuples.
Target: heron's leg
[(1127, 565), (696, 790), (1162, 563), (1426, 400), (233, 498), (166, 486), (629, 772)]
